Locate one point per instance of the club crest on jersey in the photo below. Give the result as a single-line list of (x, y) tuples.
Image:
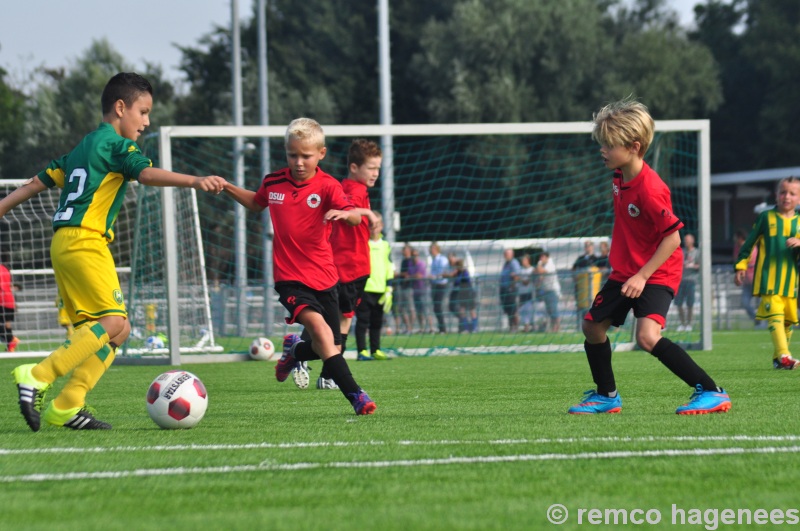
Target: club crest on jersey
[(314, 201), (633, 210)]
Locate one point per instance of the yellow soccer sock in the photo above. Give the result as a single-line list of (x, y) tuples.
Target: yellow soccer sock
[(86, 340), (779, 342), (789, 332), (84, 378)]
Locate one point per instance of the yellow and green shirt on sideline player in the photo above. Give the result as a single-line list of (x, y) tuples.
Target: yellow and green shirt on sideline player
[(776, 268)]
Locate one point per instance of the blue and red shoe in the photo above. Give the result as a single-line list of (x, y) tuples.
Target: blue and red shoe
[(594, 403), (287, 363), (362, 403), (702, 402)]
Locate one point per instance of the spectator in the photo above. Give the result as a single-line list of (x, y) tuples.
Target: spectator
[(587, 279), (508, 289), (684, 300), (440, 271), (419, 288), (404, 293), (526, 293), (747, 282), (548, 290), (463, 294)]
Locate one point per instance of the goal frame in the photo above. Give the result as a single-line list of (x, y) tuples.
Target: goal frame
[(700, 127)]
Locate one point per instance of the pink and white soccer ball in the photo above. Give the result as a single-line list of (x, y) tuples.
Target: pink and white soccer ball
[(177, 399), (262, 349)]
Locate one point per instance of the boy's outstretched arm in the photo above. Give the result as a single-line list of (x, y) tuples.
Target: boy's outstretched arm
[(29, 188), (246, 198), (351, 217), (159, 177)]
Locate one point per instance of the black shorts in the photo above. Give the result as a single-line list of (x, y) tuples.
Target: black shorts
[(296, 297), (7, 314), (610, 303), (350, 294)]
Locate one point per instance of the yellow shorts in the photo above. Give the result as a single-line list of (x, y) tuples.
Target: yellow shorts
[(778, 306), (86, 275)]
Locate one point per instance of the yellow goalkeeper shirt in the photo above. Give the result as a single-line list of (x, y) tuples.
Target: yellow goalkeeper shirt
[(382, 269)]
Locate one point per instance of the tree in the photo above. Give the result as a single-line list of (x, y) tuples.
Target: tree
[(558, 61), (11, 124)]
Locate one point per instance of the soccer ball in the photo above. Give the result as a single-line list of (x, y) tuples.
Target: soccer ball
[(157, 341), (177, 399), (262, 349)]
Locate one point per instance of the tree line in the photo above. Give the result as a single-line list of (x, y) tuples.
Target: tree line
[(456, 61)]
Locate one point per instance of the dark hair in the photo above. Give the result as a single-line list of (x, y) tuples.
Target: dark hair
[(362, 149), (125, 86)]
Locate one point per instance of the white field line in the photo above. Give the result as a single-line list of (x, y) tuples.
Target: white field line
[(445, 442), (407, 463)]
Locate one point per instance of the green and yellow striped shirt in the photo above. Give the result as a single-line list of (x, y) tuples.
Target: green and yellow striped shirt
[(776, 267)]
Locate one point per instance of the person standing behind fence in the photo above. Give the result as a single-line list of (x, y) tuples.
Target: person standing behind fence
[(439, 273), (587, 279), (463, 294), (775, 234), (548, 290), (747, 282), (8, 309), (525, 290), (508, 289), (684, 300), (404, 293), (419, 286)]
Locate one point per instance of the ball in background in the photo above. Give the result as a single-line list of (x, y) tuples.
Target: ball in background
[(177, 399), (262, 349)]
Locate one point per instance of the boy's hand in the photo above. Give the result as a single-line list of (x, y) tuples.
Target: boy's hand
[(738, 278), (634, 286), (335, 215), (792, 242), (373, 219), (386, 300), (213, 184)]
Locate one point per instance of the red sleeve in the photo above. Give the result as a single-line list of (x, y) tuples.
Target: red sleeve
[(660, 209), (338, 200)]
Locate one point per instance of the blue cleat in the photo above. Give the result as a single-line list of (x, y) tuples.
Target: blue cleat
[(594, 403), (702, 402), (287, 363)]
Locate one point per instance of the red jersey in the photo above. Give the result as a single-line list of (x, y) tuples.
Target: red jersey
[(301, 248), (351, 243), (642, 218), (6, 290)]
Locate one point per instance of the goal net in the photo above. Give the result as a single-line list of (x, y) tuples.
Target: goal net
[(477, 190), (25, 235)]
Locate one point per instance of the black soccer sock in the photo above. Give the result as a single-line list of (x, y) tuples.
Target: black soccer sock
[(374, 339), (337, 367), (682, 365), (9, 335), (325, 373), (304, 352), (344, 343), (599, 357)]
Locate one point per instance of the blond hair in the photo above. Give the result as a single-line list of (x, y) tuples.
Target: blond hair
[(787, 180), (305, 130), (622, 123)]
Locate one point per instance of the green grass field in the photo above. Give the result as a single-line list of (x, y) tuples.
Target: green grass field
[(461, 442)]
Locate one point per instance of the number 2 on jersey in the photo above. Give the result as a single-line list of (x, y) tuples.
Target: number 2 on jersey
[(65, 211)]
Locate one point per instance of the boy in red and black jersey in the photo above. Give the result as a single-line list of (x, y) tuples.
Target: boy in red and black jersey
[(303, 203), (646, 262), (351, 243)]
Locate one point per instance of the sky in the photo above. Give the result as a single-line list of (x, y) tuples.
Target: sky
[(53, 33)]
